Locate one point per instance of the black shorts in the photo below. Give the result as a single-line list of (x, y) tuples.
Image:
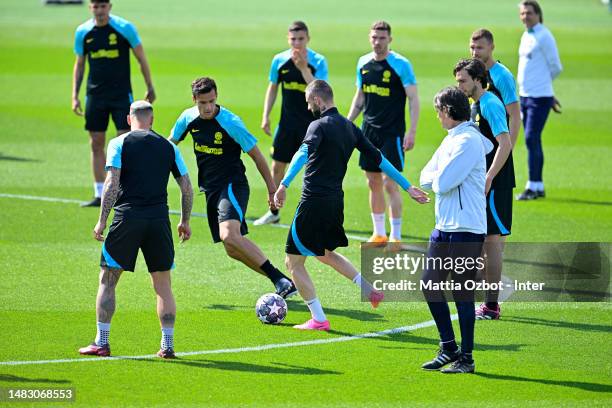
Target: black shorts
[(389, 146), (126, 236), (99, 107), (317, 226), (287, 142), (499, 212), (227, 203)]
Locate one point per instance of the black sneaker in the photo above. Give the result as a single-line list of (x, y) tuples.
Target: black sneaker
[(285, 288), (166, 353), (442, 359), (96, 202), (541, 194), (461, 366), (528, 195)]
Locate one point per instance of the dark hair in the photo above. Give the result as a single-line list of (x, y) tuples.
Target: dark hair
[(482, 33), (381, 26), (320, 88), (536, 7), (475, 68), (298, 26), (99, 1), (203, 85), (454, 103)]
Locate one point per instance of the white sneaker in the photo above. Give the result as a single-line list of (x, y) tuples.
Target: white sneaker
[(267, 218)]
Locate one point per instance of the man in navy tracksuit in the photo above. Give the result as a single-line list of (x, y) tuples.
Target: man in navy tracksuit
[(456, 174)]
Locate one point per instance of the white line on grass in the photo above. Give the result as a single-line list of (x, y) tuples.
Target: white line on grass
[(264, 347), (219, 351), (174, 212)]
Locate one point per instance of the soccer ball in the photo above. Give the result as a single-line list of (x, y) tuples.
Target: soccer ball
[(271, 308)]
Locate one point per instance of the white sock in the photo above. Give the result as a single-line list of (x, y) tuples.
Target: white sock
[(167, 339), (316, 310), (102, 334), (363, 284), (396, 229), (98, 189), (540, 186), (379, 224)]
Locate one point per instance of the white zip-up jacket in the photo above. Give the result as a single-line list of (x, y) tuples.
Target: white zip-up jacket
[(457, 174)]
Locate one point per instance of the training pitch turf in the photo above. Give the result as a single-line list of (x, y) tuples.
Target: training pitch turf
[(544, 354)]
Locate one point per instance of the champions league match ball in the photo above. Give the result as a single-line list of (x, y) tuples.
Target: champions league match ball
[(271, 308)]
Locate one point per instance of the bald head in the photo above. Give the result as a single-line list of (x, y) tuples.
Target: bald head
[(141, 115)]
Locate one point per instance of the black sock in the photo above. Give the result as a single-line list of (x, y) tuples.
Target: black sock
[(274, 211), (492, 305), (468, 357), (449, 346), (465, 310), (273, 274)]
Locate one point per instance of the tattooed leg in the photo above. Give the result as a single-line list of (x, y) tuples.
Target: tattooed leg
[(166, 306), (105, 301)]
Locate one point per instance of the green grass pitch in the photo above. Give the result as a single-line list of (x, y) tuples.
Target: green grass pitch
[(540, 354)]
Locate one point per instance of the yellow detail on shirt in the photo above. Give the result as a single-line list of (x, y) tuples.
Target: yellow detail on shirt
[(218, 138), (378, 90), (208, 150), (112, 39), (105, 54), (294, 86), (386, 76)]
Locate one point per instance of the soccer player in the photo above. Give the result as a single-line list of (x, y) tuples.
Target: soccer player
[(457, 175), (218, 137), (106, 41), (500, 79), (489, 113), (317, 228), (139, 164), (292, 69), (385, 80), (539, 64)]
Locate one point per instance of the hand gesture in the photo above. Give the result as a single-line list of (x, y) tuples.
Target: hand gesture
[(76, 107), (409, 141), (150, 95), (280, 196), (184, 231), (299, 59), (98, 230), (265, 126), (556, 107), (418, 195)]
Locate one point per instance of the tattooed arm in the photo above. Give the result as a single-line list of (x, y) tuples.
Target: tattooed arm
[(184, 230), (109, 196)]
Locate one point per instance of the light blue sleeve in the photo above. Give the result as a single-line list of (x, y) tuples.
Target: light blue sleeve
[(126, 29), (113, 152), (358, 79), (321, 70), (297, 162), (392, 172), (504, 82), (180, 128), (495, 113), (235, 128), (273, 76), (79, 37), (403, 68), (178, 160)]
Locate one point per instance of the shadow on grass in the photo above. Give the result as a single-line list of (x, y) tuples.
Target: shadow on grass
[(561, 324), (14, 378), (433, 342), (578, 201), (275, 368), (17, 159), (299, 306), (586, 386)]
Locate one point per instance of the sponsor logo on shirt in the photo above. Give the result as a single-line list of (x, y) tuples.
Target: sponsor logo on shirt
[(217, 151), (294, 86), (105, 54), (378, 90)]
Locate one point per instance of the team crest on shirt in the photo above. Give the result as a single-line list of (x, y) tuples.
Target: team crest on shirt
[(386, 76), (218, 138), (112, 39)]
